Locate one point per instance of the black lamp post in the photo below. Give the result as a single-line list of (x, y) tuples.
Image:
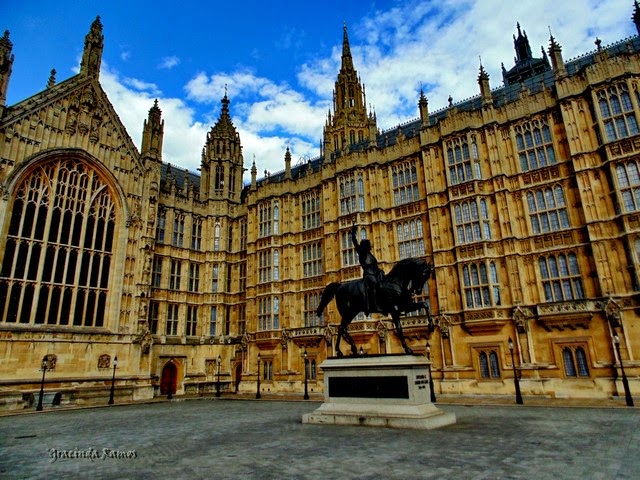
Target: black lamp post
[(515, 375), (306, 377), (44, 370), (218, 382), (258, 388), (431, 386), (625, 383), (113, 379)]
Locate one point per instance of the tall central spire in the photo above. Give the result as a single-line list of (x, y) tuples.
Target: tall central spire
[(350, 124), (347, 61)]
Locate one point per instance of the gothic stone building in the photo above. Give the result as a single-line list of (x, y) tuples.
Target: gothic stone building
[(526, 198)]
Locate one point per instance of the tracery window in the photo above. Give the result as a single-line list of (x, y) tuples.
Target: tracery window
[(481, 288), (178, 230), (157, 272), (404, 183), (161, 225), (312, 259), (154, 316), (548, 210), (349, 255), (265, 270), (215, 274), (629, 184), (268, 313), (192, 320), (462, 168), (172, 319), (351, 193), (311, 211), (311, 302), (216, 237), (264, 219), (617, 112), (561, 277), (194, 277), (176, 275), (472, 221), (213, 321), (488, 362), (196, 234), (575, 361), (534, 144), (410, 239), (59, 248)]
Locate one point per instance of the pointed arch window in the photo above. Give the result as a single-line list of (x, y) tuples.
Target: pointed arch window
[(404, 183), (628, 175), (488, 364), (59, 247), (535, 144), (616, 111), (351, 188), (575, 361), (472, 221), (548, 210), (481, 287), (561, 279)]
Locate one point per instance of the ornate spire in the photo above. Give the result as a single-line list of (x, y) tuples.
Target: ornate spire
[(93, 46), (6, 64), (347, 60), (52, 78), (636, 16), (153, 133)]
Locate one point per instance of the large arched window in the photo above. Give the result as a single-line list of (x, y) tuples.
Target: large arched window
[(59, 247)]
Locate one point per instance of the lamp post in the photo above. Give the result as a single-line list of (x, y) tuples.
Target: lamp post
[(625, 383), (431, 389), (113, 379), (306, 377), (218, 382), (258, 388), (516, 381), (44, 370)]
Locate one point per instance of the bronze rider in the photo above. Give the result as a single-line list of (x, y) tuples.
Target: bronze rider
[(372, 275)]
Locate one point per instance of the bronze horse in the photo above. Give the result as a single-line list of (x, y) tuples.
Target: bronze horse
[(395, 297)]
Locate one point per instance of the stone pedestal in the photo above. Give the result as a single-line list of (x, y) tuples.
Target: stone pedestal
[(378, 391)]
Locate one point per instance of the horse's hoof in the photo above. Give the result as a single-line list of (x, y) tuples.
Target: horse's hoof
[(339, 353), (408, 351)]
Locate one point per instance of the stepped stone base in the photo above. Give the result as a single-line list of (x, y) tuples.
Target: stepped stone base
[(378, 391)]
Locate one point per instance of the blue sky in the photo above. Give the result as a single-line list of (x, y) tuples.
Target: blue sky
[(280, 59)]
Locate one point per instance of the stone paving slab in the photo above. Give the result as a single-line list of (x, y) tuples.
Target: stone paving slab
[(235, 439)]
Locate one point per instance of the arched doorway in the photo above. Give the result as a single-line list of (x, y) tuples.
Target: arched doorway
[(238, 376), (169, 379)]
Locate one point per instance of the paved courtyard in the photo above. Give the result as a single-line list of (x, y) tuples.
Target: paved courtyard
[(249, 439)]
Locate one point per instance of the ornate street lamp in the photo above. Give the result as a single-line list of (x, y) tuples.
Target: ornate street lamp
[(113, 379), (625, 383), (258, 388), (431, 386), (306, 377), (218, 382), (515, 375), (44, 370)]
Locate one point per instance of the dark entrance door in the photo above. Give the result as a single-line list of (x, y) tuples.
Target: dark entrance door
[(238, 375), (168, 379)]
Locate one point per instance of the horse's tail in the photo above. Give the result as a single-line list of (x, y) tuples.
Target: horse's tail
[(327, 295)]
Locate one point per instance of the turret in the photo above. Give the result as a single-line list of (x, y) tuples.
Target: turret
[(423, 106), (557, 63), (287, 164), (92, 54), (485, 88), (6, 64), (222, 161), (254, 175), (153, 134)]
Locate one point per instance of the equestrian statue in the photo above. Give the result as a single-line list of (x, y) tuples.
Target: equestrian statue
[(390, 294)]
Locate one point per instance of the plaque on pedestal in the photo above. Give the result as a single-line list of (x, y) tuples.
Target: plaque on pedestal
[(379, 391)]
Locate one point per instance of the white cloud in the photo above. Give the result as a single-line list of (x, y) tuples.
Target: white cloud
[(436, 44), (168, 63)]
